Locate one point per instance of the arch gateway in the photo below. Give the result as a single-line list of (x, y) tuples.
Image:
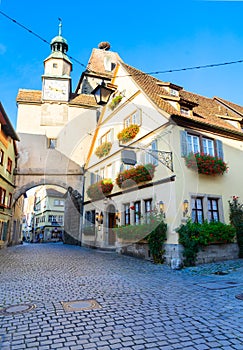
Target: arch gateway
[(55, 128)]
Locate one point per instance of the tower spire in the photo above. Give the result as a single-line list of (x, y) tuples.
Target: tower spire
[(60, 27)]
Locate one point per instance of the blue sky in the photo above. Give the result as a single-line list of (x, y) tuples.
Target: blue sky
[(152, 36)]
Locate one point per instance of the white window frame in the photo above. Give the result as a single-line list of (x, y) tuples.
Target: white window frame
[(133, 118), (205, 201)]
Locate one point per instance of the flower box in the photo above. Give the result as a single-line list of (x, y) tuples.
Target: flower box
[(103, 150), (100, 189), (128, 133), (206, 164), (138, 174), (115, 102)]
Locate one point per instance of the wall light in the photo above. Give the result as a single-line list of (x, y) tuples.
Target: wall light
[(118, 214), (99, 217), (162, 208), (102, 93), (185, 207)]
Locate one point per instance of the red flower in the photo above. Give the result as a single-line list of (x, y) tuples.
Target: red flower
[(132, 207)]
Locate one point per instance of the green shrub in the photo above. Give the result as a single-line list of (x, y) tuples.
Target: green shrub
[(193, 236), (236, 219), (154, 231)]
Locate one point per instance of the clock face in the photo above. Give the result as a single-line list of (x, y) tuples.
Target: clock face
[(56, 90)]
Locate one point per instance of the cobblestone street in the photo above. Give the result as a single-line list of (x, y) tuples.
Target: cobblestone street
[(121, 302)]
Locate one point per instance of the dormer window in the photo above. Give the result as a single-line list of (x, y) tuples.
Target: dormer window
[(185, 111), (174, 92)]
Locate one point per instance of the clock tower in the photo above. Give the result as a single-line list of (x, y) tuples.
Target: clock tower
[(56, 81)]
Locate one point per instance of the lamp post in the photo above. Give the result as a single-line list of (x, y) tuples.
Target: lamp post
[(102, 93)]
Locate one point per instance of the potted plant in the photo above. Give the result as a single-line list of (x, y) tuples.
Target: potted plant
[(206, 164), (103, 150), (138, 174), (100, 189), (128, 133), (115, 102)]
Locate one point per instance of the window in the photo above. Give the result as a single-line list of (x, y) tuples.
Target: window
[(2, 196), (102, 173), (10, 196), (193, 143), (152, 155), (137, 213), (197, 209), (174, 92), (1, 157), (89, 217), (197, 143), (58, 202), (52, 218), (208, 146), (185, 111), (60, 219), (52, 143), (54, 65), (127, 214), (206, 207), (107, 137), (148, 209), (109, 171), (213, 209), (133, 118), (9, 165)]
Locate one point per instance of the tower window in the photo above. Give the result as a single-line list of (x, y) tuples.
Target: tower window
[(54, 65), (52, 143)]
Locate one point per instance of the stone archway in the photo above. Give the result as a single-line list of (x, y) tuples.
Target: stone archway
[(37, 165)]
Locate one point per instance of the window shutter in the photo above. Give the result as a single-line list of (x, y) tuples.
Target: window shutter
[(184, 148), (220, 151), (154, 147)]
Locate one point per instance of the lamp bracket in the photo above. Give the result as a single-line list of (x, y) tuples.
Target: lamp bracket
[(163, 157)]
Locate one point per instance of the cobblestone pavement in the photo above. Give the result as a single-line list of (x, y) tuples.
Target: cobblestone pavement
[(137, 305)]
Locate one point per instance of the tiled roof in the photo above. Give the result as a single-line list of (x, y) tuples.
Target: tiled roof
[(51, 192), (150, 86), (82, 99), (206, 111), (29, 96), (96, 62), (231, 105), (34, 96)]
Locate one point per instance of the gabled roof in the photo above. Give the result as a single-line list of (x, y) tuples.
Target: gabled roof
[(51, 192), (230, 105), (96, 64), (151, 88), (206, 111)]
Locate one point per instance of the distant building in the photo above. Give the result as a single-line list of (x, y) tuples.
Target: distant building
[(8, 157), (48, 215), (28, 218)]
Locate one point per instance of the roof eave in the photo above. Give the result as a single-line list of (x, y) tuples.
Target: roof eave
[(187, 122)]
